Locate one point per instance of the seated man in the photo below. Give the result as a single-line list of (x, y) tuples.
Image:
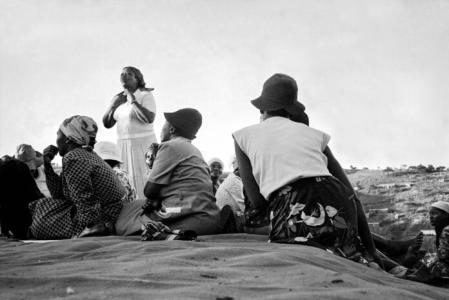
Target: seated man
[(34, 160), (179, 189)]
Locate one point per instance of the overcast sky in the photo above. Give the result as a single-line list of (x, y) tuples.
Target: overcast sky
[(372, 74)]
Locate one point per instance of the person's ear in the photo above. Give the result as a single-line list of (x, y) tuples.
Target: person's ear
[(172, 129)]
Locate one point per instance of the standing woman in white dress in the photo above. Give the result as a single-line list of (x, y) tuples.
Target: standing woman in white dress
[(134, 111)]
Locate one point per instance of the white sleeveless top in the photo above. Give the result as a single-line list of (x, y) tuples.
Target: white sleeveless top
[(129, 124), (282, 151)]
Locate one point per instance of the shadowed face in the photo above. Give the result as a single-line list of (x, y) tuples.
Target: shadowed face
[(216, 169), (61, 142), (438, 217)]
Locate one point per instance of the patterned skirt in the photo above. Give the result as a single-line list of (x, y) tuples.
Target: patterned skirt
[(53, 219), (317, 211)]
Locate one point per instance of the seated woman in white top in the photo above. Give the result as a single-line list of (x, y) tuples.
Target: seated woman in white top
[(284, 170)]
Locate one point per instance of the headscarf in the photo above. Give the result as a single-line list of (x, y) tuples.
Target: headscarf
[(443, 205), (80, 130), (216, 160)]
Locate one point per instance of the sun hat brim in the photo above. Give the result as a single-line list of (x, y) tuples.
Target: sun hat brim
[(265, 104)]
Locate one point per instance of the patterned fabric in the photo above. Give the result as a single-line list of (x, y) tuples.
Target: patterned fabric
[(440, 267), (79, 129), (124, 180), (87, 192), (316, 211)]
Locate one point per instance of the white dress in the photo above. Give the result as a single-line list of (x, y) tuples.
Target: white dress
[(135, 137)]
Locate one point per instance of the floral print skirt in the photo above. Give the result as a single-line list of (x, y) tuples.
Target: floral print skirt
[(316, 211)]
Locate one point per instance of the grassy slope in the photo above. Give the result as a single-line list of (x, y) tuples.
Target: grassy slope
[(407, 206)]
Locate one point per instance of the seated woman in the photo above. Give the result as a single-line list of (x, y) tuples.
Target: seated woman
[(436, 267), (284, 169), (179, 189), (86, 193), (34, 160), (439, 218), (110, 153)]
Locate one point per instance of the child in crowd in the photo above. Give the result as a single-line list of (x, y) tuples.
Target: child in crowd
[(230, 191), (216, 170), (110, 153)]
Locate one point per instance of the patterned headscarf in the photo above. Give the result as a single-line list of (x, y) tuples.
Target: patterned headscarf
[(80, 129)]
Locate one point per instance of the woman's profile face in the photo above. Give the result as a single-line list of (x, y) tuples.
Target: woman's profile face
[(128, 79), (61, 142), (438, 217)]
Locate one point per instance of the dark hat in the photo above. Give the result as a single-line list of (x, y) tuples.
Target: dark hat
[(187, 121), (279, 92)]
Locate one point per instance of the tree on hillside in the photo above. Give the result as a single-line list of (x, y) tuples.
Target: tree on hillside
[(430, 169), (388, 169), (440, 169), (421, 168)]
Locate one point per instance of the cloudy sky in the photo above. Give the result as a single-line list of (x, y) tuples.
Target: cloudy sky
[(373, 74)]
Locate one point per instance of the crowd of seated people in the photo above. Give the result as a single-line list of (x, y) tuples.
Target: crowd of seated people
[(285, 184)]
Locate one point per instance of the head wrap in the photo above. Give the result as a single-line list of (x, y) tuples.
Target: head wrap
[(80, 130), (443, 205), (215, 160)]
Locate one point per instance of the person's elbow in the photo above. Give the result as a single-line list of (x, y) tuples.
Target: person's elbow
[(150, 116), (107, 123)]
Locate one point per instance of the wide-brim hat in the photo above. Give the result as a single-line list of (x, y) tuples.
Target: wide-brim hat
[(280, 91), (187, 121), (108, 151)]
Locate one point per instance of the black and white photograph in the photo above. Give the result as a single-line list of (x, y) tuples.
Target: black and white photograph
[(241, 149)]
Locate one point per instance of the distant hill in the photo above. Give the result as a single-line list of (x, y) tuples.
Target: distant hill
[(397, 202)]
